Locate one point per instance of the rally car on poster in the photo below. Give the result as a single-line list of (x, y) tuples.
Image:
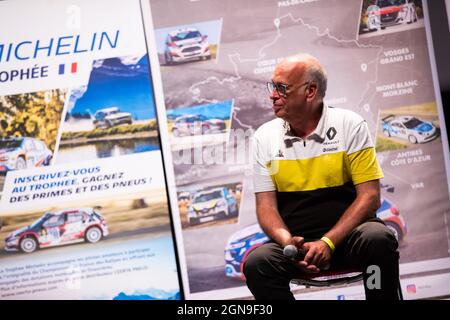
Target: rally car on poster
[(59, 228), (109, 117), (196, 124), (242, 242), (212, 204), (410, 128), (185, 45), (23, 153), (392, 12)]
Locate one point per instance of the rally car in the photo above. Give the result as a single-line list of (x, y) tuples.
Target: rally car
[(242, 242), (196, 124), (59, 228), (186, 45), (212, 204), (109, 117), (409, 128), (394, 12), (23, 153)]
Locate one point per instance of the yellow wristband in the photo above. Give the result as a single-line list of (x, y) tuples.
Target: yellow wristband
[(329, 243)]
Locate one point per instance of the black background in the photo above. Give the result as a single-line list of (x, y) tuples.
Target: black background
[(441, 42)]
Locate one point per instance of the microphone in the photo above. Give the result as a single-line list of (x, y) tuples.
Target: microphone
[(292, 252)]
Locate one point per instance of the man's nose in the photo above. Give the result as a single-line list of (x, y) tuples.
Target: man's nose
[(274, 95)]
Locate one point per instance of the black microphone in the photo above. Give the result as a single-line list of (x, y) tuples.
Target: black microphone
[(292, 252)]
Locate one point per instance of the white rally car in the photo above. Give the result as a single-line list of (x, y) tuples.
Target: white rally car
[(59, 228), (410, 128), (109, 117), (23, 153), (394, 12), (196, 124), (186, 45)]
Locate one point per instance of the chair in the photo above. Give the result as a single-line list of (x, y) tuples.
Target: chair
[(334, 277)]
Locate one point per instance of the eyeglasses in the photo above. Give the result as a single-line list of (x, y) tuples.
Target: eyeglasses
[(281, 88)]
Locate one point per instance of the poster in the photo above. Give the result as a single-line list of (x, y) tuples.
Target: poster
[(382, 44), (84, 210)]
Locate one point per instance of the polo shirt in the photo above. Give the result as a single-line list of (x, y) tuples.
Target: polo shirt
[(314, 178)]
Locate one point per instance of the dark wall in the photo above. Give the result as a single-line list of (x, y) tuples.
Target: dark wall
[(441, 43)]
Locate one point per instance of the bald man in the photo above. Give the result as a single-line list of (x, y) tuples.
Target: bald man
[(316, 180)]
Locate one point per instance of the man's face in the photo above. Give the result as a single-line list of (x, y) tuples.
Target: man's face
[(290, 105)]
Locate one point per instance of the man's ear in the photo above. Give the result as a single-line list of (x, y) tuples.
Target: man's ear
[(311, 91)]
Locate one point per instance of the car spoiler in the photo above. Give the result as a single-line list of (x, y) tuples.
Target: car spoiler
[(388, 118)]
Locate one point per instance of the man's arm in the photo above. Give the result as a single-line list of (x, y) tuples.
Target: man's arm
[(269, 218), (363, 207), (271, 222)]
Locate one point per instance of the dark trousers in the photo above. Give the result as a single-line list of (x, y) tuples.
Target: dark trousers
[(268, 272)]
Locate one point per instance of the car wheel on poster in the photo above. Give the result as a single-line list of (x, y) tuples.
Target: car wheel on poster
[(93, 235), (168, 59), (412, 139), (47, 161), (28, 244), (21, 163), (193, 221)]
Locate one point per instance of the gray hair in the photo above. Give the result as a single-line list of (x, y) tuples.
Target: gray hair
[(316, 73)]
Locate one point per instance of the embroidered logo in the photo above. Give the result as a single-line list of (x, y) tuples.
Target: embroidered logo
[(331, 133), (280, 154)]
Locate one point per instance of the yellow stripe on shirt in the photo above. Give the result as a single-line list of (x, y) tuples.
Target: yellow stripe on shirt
[(328, 170), (325, 171), (364, 166)]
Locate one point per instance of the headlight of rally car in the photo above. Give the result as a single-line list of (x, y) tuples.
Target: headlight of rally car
[(232, 246), (12, 241), (192, 213), (221, 205), (228, 255)]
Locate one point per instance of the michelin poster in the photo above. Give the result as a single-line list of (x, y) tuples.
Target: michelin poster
[(220, 51), (84, 210)]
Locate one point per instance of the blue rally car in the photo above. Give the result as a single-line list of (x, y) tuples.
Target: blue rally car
[(242, 242), (409, 128), (23, 153)]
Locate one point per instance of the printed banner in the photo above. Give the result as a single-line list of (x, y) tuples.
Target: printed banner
[(84, 208), (378, 65)]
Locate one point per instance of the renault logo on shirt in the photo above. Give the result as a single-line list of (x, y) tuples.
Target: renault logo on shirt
[(331, 133)]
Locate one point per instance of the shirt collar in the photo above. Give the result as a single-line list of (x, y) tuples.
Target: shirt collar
[(319, 133)]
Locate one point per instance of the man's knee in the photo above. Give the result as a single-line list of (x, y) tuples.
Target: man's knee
[(266, 273), (254, 261), (262, 261), (378, 239)]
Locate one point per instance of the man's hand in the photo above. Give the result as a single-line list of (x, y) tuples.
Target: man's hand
[(298, 242), (317, 255)]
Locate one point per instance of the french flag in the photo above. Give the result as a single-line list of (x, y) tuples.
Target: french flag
[(73, 68)]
